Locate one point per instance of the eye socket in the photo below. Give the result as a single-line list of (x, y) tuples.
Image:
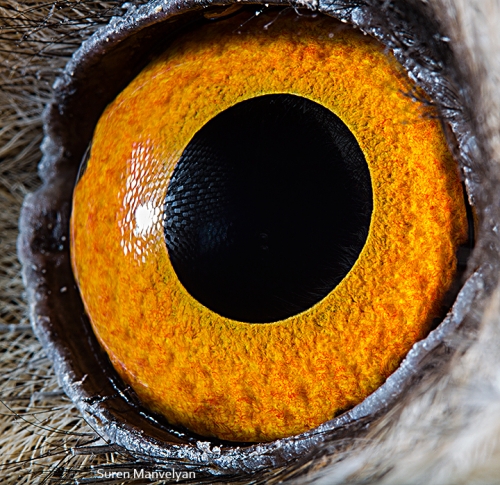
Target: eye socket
[(208, 368), (48, 248)]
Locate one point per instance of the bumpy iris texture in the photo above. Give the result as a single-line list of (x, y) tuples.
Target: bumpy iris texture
[(224, 376)]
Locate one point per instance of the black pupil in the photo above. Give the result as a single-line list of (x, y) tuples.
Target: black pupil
[(268, 208)]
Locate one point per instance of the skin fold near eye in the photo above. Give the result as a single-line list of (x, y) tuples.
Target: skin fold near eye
[(258, 380)]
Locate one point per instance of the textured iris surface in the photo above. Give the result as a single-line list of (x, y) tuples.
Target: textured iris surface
[(227, 378)]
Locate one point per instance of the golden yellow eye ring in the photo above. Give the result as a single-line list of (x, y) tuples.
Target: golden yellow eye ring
[(230, 379)]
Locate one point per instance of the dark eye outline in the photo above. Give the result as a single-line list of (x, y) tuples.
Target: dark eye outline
[(101, 397)]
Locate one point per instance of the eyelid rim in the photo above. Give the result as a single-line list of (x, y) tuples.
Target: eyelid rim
[(57, 315)]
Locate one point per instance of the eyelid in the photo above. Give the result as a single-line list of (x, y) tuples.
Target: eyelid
[(43, 243)]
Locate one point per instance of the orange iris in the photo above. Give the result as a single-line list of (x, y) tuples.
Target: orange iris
[(231, 379)]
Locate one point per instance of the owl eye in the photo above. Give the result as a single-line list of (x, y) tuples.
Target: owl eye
[(266, 223)]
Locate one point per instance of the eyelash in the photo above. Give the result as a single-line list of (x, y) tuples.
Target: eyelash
[(437, 89)]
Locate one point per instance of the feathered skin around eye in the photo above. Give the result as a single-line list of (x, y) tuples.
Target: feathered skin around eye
[(443, 431)]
